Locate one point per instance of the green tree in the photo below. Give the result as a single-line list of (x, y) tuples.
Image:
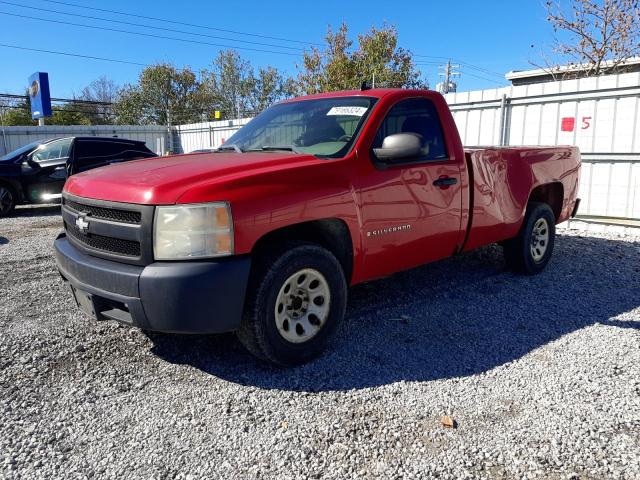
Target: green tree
[(269, 87), (378, 59), (69, 114), (164, 95), (229, 84), (16, 112), (235, 90)]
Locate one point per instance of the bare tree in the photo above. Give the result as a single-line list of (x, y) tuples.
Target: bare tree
[(104, 92), (597, 35)]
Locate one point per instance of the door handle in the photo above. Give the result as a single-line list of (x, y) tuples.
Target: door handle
[(445, 182)]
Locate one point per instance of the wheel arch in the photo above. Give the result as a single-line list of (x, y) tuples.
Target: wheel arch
[(550, 193), (330, 233), (15, 185)]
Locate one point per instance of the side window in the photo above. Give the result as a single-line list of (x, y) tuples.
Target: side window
[(52, 150), (94, 153), (95, 149), (415, 115), (136, 154)]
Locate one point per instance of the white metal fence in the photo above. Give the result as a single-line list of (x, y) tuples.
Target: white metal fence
[(155, 137), (601, 115), (195, 136)]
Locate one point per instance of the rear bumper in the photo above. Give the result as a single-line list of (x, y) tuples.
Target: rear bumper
[(176, 297)]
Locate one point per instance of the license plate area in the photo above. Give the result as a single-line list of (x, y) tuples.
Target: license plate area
[(85, 302)]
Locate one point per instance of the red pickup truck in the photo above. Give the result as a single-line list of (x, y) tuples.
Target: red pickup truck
[(264, 235)]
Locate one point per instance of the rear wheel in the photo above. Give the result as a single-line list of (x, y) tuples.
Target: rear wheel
[(295, 304), (7, 199), (531, 250)]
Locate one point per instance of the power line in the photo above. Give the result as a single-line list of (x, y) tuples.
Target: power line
[(95, 27), (68, 54), (68, 100), (58, 109), (103, 59), (92, 57), (430, 56), (466, 64), (480, 69), (148, 26), (167, 20), (483, 78)]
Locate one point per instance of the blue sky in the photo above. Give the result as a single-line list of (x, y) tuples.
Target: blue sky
[(493, 35)]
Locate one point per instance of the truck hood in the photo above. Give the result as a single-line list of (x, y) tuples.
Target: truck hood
[(163, 180)]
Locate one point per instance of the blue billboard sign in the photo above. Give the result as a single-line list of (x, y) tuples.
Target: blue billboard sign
[(40, 96)]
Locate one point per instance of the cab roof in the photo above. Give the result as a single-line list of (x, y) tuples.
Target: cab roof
[(372, 92)]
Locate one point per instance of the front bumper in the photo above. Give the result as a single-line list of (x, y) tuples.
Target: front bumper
[(176, 297)]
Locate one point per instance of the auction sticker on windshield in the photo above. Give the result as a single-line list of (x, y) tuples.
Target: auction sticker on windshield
[(345, 110)]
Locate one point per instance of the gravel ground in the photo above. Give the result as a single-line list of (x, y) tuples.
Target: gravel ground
[(541, 374)]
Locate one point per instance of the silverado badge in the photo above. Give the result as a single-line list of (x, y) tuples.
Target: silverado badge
[(386, 230)]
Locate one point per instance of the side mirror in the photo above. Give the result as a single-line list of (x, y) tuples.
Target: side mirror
[(28, 165), (399, 146), (28, 159)]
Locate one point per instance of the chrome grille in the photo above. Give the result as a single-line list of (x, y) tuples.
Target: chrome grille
[(116, 215), (112, 230), (117, 246)]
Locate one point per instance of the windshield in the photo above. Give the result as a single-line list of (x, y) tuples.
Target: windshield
[(21, 150), (325, 127)]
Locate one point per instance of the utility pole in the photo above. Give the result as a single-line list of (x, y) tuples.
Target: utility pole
[(449, 73), (4, 135), (169, 130)]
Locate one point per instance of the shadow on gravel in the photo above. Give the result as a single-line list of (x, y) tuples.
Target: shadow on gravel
[(4, 240), (458, 317)]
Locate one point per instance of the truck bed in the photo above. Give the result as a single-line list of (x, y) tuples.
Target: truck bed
[(502, 179)]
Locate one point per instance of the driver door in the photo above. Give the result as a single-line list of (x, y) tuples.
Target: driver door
[(409, 215), (44, 172)]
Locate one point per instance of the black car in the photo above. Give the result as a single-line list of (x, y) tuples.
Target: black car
[(36, 172)]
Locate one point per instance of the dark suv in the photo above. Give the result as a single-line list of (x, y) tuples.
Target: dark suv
[(36, 172)]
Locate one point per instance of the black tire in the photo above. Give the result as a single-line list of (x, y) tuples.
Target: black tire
[(258, 331), (519, 251), (8, 199)]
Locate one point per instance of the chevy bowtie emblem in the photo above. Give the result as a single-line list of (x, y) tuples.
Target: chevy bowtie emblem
[(82, 224)]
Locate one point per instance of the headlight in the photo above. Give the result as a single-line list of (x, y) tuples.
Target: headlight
[(193, 231)]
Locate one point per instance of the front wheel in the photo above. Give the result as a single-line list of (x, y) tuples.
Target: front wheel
[(7, 200), (295, 304), (531, 250)]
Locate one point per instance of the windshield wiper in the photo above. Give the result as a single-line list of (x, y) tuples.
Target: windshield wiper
[(229, 146), (289, 148)]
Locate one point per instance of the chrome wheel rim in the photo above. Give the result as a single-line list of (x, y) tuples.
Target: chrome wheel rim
[(539, 239), (302, 305), (6, 199)]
